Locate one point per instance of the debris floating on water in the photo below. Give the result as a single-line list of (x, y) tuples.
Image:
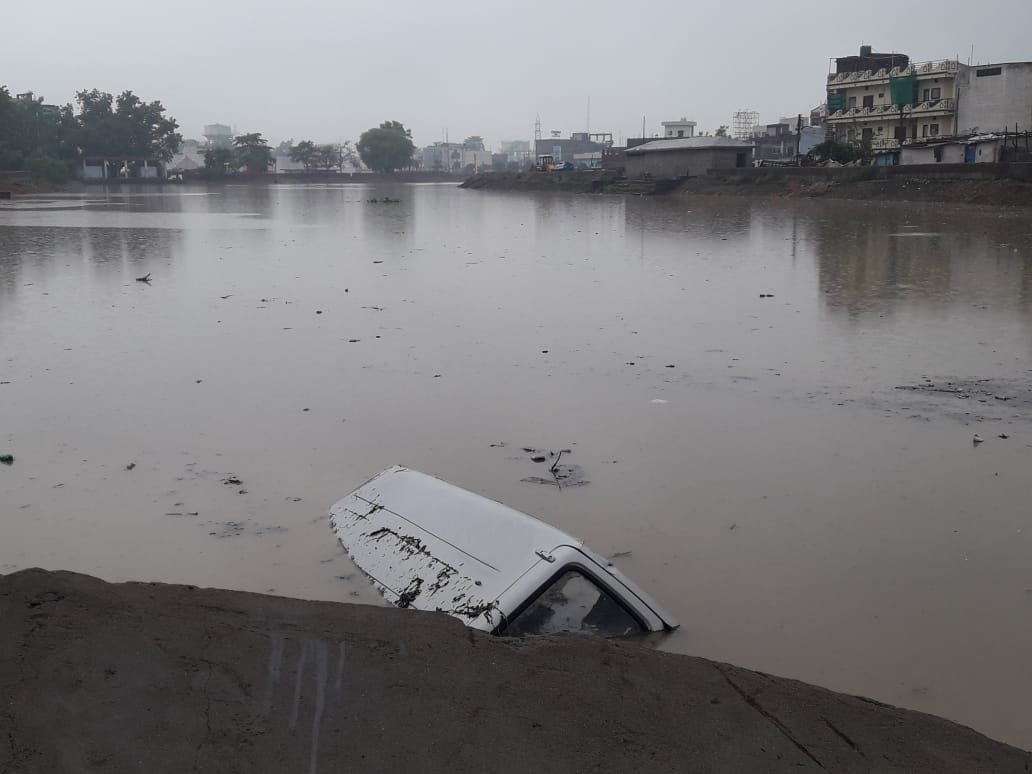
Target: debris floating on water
[(7, 459), (977, 440)]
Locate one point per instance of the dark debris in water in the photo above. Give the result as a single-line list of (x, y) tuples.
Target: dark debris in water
[(975, 399), (562, 476), (225, 529)]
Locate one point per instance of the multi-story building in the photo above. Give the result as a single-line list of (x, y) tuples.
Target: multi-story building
[(887, 99)]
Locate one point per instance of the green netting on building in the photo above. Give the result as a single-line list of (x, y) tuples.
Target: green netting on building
[(836, 102), (904, 89)]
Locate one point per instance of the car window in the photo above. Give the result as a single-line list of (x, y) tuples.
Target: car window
[(574, 603)]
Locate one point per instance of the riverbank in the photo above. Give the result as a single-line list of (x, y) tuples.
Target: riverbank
[(1002, 185), (915, 187), (164, 678)]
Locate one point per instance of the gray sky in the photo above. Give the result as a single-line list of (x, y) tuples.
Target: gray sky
[(327, 70)]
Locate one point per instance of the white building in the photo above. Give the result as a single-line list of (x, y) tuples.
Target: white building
[(994, 98), (682, 128)]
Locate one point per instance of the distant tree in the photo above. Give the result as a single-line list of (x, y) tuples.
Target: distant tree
[(327, 157), (253, 153), (304, 153), (29, 128), (387, 147), (219, 162), (722, 131), (124, 127), (346, 155), (473, 143), (284, 148)]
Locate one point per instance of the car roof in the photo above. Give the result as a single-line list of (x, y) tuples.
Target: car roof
[(431, 545)]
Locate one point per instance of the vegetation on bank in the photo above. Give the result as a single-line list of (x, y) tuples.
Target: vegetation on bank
[(387, 147), (49, 141)]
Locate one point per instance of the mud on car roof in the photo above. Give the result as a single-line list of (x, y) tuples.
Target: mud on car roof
[(431, 545)]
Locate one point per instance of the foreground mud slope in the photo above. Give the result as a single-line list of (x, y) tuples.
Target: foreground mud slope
[(159, 678)]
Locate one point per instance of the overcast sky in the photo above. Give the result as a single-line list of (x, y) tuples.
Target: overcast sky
[(329, 69)]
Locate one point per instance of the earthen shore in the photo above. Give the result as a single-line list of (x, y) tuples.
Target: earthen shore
[(140, 677)]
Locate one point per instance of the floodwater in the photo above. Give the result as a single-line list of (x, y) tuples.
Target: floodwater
[(751, 459)]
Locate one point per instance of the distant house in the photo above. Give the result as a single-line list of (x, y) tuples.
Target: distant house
[(687, 157), (131, 168), (562, 150), (682, 128)]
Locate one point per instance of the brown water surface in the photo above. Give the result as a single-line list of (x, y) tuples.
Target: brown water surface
[(756, 456)]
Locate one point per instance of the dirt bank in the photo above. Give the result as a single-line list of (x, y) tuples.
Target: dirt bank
[(1002, 192), (157, 678), (23, 187)]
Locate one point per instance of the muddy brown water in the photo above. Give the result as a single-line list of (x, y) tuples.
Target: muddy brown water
[(726, 374)]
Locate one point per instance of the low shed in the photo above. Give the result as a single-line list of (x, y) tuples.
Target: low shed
[(983, 149), (687, 157)]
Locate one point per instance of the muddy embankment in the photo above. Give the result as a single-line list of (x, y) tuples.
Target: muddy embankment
[(158, 678), (990, 184), (572, 181)]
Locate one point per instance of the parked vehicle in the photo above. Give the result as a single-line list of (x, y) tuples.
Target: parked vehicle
[(430, 545)]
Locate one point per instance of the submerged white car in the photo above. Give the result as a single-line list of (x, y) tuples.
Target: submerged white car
[(430, 545)]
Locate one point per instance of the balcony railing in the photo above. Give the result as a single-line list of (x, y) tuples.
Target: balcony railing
[(892, 111), (941, 67)]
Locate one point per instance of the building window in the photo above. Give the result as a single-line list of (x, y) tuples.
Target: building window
[(867, 134), (851, 135), (937, 153), (851, 103), (925, 95), (933, 130), (924, 130), (881, 95), (988, 71), (680, 132), (869, 101), (936, 93), (881, 129)]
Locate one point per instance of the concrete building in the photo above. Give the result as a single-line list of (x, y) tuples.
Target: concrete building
[(563, 150), (994, 98), (681, 128), (516, 151), (887, 99), (218, 135), (122, 168), (442, 156), (891, 101), (984, 149), (688, 157), (775, 141)]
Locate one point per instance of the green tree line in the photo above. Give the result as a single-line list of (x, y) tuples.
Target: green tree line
[(49, 141)]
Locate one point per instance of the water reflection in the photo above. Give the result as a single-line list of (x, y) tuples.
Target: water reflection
[(921, 259), (703, 359)]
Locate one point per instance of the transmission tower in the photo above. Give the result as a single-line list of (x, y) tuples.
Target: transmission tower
[(743, 123)]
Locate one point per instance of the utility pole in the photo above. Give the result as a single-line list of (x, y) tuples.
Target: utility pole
[(798, 133)]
